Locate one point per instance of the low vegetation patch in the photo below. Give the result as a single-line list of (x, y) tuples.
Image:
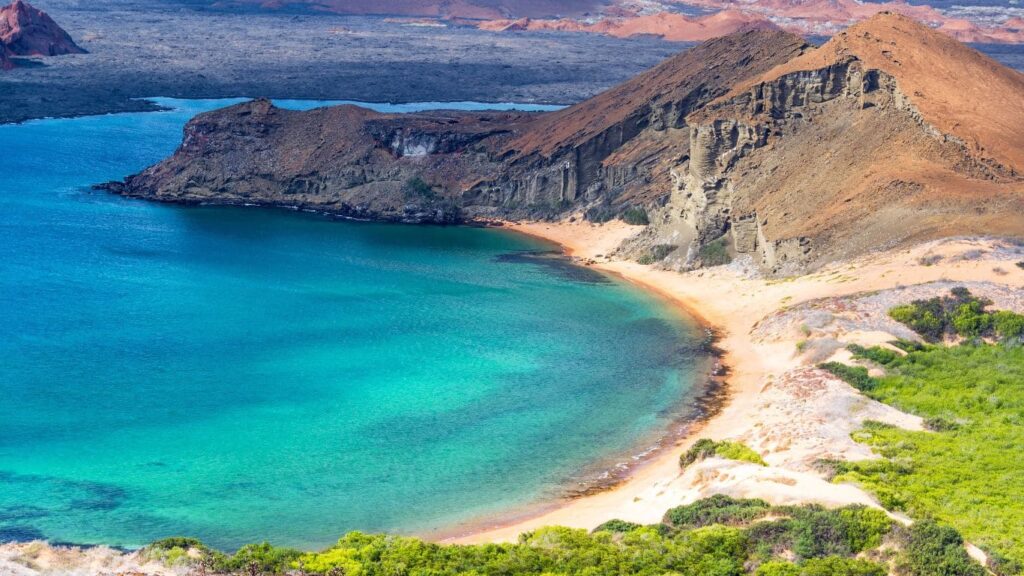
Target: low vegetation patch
[(966, 471), (706, 448), (716, 536), (636, 216), (959, 314), (416, 187), (657, 253), (715, 253)]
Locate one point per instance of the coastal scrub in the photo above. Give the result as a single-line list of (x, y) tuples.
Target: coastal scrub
[(707, 448), (966, 471)]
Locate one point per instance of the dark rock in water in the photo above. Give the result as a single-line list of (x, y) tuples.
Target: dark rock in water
[(27, 31)]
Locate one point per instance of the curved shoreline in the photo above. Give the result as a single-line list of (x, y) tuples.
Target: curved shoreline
[(589, 509), (693, 412), (736, 305)]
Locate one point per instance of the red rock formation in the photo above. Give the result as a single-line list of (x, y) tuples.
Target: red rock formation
[(829, 16), (824, 17), (669, 25), (450, 9), (26, 31)]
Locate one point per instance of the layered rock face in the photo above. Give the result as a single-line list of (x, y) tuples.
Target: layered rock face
[(826, 158), (26, 31), (750, 145), (345, 160), (563, 161), (356, 162)]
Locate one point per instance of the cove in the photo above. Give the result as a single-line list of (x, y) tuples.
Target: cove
[(242, 375)]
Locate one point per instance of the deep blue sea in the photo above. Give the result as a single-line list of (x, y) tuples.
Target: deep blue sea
[(242, 375)]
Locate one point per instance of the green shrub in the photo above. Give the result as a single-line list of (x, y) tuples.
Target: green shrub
[(921, 317), (717, 509), (660, 251), (966, 471), (616, 525), (717, 536), (177, 542), (417, 187), (818, 532), (960, 313), (706, 448), (934, 550), (1008, 325), (174, 551), (907, 345), (263, 557), (839, 566), (635, 215), (657, 253), (876, 354), (715, 253), (970, 320), (777, 568), (856, 376)]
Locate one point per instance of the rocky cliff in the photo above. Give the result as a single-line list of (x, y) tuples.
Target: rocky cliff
[(27, 31), (753, 145), (890, 132), (345, 160), (452, 166)]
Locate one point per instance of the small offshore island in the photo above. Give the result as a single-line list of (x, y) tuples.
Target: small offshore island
[(848, 219)]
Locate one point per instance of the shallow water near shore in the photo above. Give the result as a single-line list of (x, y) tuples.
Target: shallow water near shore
[(243, 375)]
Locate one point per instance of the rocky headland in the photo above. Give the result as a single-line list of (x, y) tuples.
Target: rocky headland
[(752, 144)]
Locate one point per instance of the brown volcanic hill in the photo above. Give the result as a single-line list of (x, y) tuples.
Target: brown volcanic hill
[(673, 88), (957, 89), (462, 9), (27, 31), (754, 143), (5, 62)]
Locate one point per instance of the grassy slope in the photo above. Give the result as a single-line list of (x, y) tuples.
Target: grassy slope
[(970, 473)]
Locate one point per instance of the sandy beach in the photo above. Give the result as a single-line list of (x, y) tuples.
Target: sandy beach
[(778, 403)]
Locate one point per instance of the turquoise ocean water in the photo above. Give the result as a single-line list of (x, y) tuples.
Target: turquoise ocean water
[(246, 374)]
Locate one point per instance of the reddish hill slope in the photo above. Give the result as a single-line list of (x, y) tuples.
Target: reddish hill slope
[(469, 9), (27, 31), (668, 25), (889, 132)]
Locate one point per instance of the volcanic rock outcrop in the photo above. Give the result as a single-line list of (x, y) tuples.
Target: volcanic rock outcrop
[(753, 144), (27, 31)]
